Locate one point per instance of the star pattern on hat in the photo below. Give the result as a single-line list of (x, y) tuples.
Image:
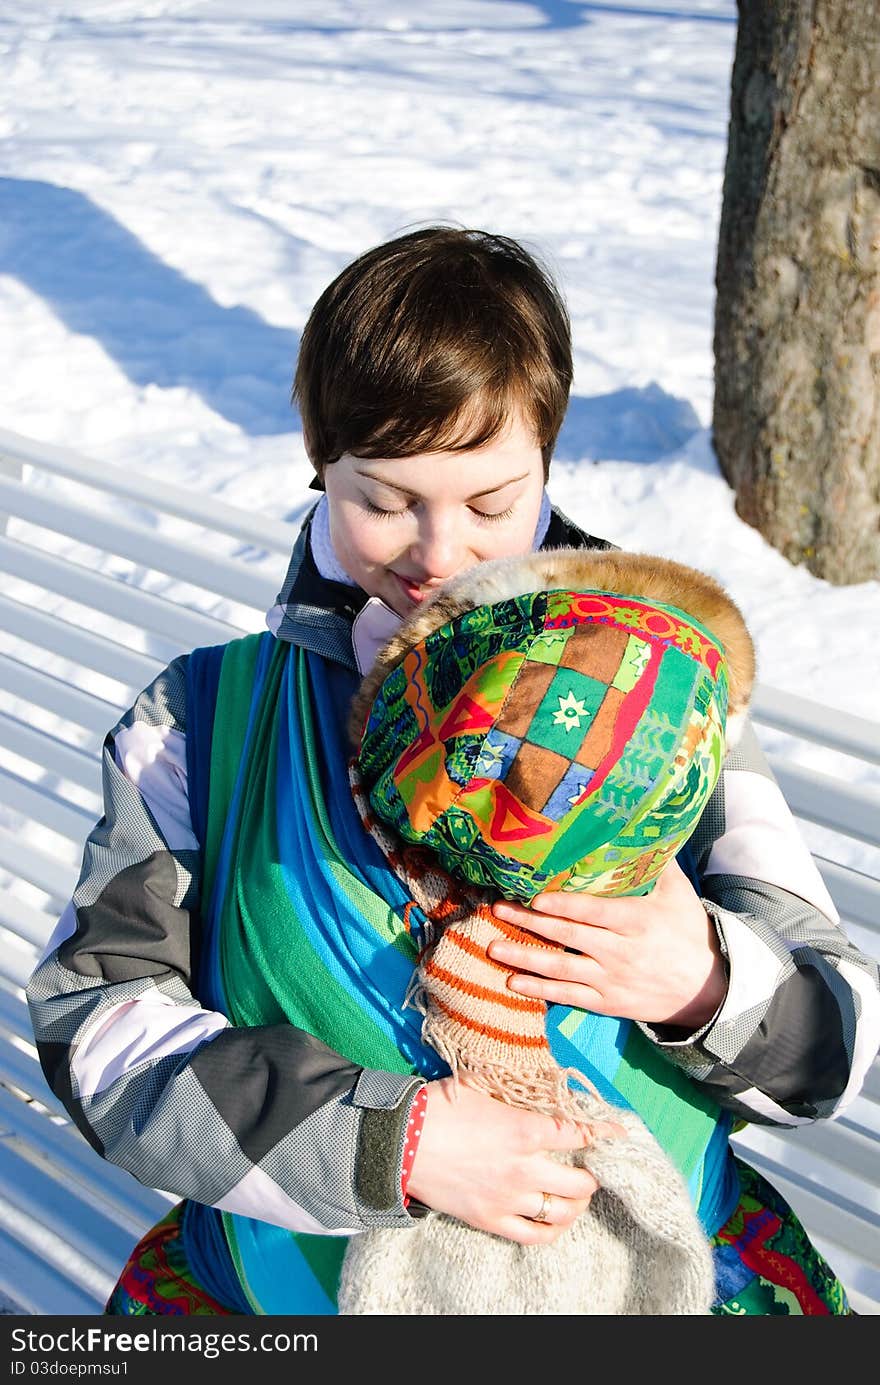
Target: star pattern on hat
[(571, 710)]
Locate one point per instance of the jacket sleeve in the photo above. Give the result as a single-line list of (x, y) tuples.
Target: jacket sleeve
[(267, 1121), (800, 1024)]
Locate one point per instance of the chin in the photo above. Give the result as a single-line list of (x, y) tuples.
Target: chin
[(396, 601)]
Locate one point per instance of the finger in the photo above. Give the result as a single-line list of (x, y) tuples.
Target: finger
[(528, 1232), (575, 993), (554, 1209), (606, 1130), (559, 1213), (672, 876), (564, 920), (563, 1183), (512, 911), (561, 931), (614, 914), (561, 1136), (577, 978), (544, 1212), (541, 960)]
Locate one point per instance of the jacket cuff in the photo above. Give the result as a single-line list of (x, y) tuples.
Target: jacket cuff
[(417, 1112), (387, 1101), (671, 1038)]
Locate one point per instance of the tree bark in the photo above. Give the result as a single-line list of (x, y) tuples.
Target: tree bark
[(796, 416)]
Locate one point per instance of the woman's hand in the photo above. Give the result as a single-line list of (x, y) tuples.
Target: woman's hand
[(654, 958), (492, 1166)]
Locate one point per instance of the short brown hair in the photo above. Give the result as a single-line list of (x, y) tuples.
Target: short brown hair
[(428, 341)]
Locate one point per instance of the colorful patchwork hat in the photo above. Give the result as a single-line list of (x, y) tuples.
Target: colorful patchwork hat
[(551, 739)]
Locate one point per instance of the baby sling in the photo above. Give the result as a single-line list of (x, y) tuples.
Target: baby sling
[(306, 923)]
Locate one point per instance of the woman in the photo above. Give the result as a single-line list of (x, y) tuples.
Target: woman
[(432, 381)]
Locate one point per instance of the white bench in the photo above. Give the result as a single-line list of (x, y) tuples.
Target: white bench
[(73, 536)]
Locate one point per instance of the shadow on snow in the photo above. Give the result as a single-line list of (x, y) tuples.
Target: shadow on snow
[(159, 327), (164, 330)]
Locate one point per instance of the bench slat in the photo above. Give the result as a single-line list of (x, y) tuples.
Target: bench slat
[(42, 689), (182, 628), (35, 866), (263, 531), (61, 1226), (825, 1212), (829, 802), (49, 753), (17, 964), (28, 1280), (48, 1204), (844, 1143), (224, 576), (14, 1017), (811, 721), (51, 634), (856, 895), (24, 921), (41, 805), (72, 1160), (871, 1086)]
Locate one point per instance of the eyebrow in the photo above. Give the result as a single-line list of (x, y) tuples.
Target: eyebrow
[(479, 495)]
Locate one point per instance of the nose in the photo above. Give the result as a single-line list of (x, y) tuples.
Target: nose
[(438, 551)]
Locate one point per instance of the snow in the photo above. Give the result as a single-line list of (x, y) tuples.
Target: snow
[(181, 178)]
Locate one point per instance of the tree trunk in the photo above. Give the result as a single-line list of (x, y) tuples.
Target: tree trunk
[(796, 421)]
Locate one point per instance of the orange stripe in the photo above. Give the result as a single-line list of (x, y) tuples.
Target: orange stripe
[(521, 935), (443, 910), (488, 1031), (467, 944), (510, 930), (506, 998)]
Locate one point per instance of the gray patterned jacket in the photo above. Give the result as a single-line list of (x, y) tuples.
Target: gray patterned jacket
[(270, 1123)]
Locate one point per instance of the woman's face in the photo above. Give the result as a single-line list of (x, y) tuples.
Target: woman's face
[(402, 526)]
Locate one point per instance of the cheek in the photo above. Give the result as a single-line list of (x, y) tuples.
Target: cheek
[(358, 542), (510, 541)]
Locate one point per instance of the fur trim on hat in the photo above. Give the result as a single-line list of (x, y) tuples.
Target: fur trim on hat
[(639, 575)]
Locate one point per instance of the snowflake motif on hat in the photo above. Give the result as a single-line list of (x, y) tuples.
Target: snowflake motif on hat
[(571, 709)]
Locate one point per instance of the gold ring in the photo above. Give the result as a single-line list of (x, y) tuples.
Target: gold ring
[(542, 1214)]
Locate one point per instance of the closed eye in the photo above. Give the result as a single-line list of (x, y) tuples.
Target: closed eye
[(383, 514), (482, 516), (498, 515)]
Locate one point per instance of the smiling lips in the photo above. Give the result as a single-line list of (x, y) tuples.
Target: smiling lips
[(416, 592)]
